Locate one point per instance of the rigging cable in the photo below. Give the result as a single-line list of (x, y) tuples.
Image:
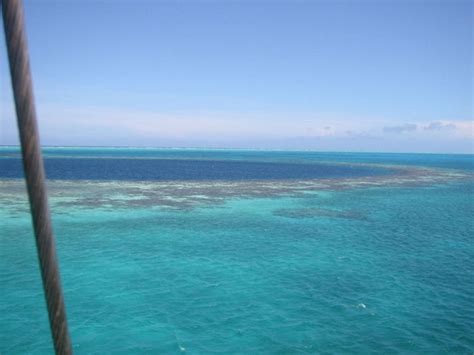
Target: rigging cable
[(13, 21)]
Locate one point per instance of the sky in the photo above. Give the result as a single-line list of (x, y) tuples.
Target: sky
[(349, 75)]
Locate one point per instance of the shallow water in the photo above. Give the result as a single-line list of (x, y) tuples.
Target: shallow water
[(335, 264)]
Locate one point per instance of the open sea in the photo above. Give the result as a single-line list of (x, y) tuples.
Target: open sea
[(244, 251)]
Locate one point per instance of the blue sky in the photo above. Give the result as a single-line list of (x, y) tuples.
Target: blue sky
[(324, 75)]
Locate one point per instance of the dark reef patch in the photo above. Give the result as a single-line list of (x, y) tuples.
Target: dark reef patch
[(183, 194), (318, 212)]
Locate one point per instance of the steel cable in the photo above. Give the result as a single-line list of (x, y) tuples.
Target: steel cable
[(13, 21)]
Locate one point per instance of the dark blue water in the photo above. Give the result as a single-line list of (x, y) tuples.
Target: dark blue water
[(448, 161), (184, 169)]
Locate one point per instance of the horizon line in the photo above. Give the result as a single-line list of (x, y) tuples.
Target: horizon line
[(235, 148)]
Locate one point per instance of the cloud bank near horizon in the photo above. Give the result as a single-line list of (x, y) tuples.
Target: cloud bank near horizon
[(102, 127)]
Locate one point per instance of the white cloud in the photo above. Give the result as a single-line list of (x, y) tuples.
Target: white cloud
[(407, 127), (440, 126)]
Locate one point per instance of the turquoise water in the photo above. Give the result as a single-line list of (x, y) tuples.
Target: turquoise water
[(365, 264)]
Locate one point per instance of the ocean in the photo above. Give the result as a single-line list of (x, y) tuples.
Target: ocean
[(244, 251)]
